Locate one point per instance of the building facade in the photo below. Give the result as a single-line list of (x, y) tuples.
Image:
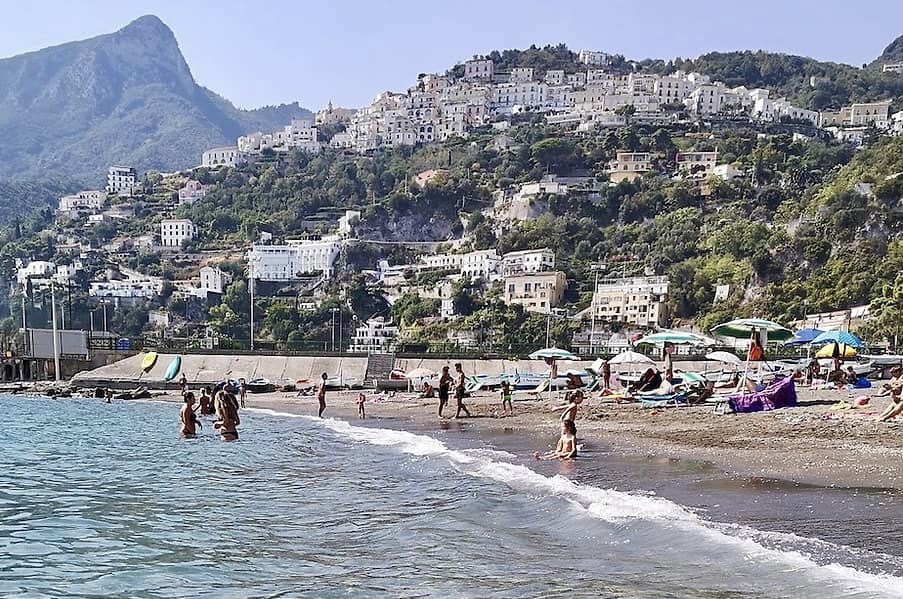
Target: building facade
[(227, 156), (536, 291), (122, 180), (292, 260), (377, 335), (634, 300), (528, 261), (174, 231)]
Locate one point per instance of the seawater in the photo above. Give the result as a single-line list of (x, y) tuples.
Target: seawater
[(104, 500)]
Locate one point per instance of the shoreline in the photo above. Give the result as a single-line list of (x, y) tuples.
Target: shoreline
[(810, 444)]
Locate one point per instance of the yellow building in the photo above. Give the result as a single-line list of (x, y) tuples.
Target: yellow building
[(536, 292)]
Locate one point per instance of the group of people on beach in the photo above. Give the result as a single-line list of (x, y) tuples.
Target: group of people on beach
[(224, 404)]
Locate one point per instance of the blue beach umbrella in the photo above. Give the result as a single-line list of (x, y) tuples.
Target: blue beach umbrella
[(804, 336), (839, 337)]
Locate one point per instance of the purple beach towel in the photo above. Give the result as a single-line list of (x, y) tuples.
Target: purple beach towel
[(779, 394)]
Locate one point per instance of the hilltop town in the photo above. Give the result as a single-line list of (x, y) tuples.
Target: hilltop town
[(488, 208)]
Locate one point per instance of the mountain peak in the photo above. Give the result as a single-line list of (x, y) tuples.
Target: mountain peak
[(892, 53), (148, 24)]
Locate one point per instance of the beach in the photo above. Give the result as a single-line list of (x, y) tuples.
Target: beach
[(809, 444)]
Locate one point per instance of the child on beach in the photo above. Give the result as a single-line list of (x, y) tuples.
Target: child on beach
[(570, 410), (361, 398), (567, 444), (507, 405)]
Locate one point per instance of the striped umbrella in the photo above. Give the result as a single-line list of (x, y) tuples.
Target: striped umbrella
[(552, 353), (841, 337), (743, 327), (675, 337)]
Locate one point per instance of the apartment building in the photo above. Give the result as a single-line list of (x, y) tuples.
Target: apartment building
[(227, 156), (629, 165), (535, 291), (288, 262), (697, 162), (634, 300), (479, 263), (377, 335), (122, 180), (478, 69), (82, 203)]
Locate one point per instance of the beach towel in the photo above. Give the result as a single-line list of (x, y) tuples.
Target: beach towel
[(779, 394)]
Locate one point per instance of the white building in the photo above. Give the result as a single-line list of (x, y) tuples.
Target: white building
[(478, 69), (173, 231), (296, 258), (193, 191), (528, 261), (228, 156), (521, 75), (593, 57), (126, 290), (634, 300), (479, 263), (122, 180), (377, 335), (213, 280), (83, 202), (696, 162), (36, 269), (347, 222), (727, 171), (892, 67)]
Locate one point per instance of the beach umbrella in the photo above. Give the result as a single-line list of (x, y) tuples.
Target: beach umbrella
[(675, 337), (842, 337), (741, 328), (419, 373), (833, 350), (552, 353), (725, 357), (631, 357), (804, 337)]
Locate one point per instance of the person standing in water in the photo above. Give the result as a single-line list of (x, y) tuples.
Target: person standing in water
[(226, 407), (189, 419), (242, 391), (361, 399), (507, 406), (460, 386), (445, 383), (321, 394)]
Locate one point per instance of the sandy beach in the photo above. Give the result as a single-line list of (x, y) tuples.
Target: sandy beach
[(808, 444)]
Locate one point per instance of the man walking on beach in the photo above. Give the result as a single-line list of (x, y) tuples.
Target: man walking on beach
[(321, 394), (459, 391)]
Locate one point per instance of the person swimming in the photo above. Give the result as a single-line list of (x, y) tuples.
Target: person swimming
[(226, 406), (189, 419)]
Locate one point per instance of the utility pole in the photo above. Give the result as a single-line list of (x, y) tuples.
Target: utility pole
[(548, 326), (251, 289), (56, 341)]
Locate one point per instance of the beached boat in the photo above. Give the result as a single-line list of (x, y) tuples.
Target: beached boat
[(260, 385)]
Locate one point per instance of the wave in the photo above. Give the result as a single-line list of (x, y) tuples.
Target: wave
[(619, 507)]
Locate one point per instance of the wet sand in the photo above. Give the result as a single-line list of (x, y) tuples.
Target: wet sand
[(810, 444)]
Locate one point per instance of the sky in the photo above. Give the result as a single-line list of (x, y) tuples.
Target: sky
[(263, 52)]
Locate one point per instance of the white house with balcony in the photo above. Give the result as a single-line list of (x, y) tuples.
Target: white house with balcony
[(82, 203), (227, 156), (294, 259), (528, 261), (122, 180), (377, 335), (479, 263), (635, 300)]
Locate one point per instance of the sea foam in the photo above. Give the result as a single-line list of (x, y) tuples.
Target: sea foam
[(619, 506)]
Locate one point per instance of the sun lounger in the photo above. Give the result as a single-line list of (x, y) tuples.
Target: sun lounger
[(534, 393), (663, 401)]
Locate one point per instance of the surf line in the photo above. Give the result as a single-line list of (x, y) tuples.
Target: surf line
[(605, 504)]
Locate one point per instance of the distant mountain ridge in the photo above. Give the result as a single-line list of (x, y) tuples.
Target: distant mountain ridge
[(126, 97)]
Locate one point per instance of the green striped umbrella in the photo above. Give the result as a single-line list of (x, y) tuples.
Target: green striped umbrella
[(675, 337), (553, 353), (741, 328)]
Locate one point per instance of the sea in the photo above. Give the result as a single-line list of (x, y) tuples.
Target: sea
[(105, 500)]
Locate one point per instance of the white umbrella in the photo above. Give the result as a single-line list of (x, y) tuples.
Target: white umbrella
[(631, 357), (419, 373), (725, 357)]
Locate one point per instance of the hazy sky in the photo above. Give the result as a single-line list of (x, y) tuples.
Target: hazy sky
[(265, 52)]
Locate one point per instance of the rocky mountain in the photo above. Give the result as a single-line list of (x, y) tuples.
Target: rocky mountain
[(892, 53), (127, 97)]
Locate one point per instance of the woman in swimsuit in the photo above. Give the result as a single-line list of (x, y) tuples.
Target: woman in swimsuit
[(188, 418), (227, 410)]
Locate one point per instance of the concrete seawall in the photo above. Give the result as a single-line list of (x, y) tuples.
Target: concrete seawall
[(202, 369)]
